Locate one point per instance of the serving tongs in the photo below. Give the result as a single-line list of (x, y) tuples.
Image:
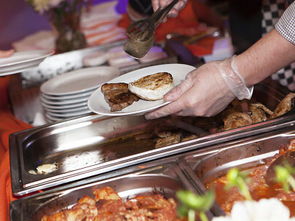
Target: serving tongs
[(141, 33)]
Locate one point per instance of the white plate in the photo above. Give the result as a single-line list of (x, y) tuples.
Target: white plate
[(69, 97), (64, 102), (61, 107), (21, 61), (68, 114), (97, 103), (79, 81), (53, 119), (68, 110)]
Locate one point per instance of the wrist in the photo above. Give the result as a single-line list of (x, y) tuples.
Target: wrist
[(235, 82)]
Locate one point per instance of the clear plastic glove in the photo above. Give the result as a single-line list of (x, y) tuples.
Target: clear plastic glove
[(174, 11), (4, 54), (204, 92)]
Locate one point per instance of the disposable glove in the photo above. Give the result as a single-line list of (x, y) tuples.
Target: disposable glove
[(206, 91)]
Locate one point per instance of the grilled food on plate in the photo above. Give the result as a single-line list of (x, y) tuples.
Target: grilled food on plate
[(118, 96), (152, 87)]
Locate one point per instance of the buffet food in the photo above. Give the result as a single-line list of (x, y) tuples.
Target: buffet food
[(243, 113), (108, 205), (118, 96), (258, 187), (150, 87)]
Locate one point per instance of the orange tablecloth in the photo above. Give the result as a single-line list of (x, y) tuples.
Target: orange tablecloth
[(8, 124)]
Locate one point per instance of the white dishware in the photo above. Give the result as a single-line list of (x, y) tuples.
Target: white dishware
[(67, 110), (67, 97), (69, 114), (65, 107), (78, 81), (63, 102), (21, 61), (97, 103)]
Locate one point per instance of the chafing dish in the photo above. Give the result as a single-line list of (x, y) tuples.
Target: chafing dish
[(92, 145), (157, 177), (202, 167)]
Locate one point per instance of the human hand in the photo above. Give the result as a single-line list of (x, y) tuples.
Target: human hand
[(204, 92), (174, 11), (4, 54)]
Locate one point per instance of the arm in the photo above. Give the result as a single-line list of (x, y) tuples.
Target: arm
[(265, 57), (269, 54), (205, 92)]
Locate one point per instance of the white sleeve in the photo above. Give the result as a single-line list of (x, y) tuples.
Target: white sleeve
[(286, 24)]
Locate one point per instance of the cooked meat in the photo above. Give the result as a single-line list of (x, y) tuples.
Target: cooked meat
[(173, 138), (235, 120), (190, 137), (110, 207), (258, 112), (106, 193), (284, 106), (118, 96)]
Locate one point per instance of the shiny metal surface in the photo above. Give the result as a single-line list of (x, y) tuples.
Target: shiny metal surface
[(202, 167), (164, 178), (93, 145)]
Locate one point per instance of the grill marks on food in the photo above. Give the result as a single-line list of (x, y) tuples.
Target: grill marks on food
[(108, 206), (118, 96), (241, 113)]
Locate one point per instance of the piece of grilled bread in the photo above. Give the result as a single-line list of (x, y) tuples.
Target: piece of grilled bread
[(152, 87)]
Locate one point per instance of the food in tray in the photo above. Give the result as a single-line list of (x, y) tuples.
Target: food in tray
[(172, 130), (243, 113), (107, 205), (152, 87), (44, 169), (117, 95), (258, 187), (284, 106)]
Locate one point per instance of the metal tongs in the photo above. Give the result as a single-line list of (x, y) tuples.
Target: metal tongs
[(141, 33)]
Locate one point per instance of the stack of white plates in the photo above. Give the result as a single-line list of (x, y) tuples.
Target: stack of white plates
[(65, 96)]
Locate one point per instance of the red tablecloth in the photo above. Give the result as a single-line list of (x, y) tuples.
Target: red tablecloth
[(8, 124)]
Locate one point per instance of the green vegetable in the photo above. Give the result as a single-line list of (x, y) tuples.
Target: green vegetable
[(284, 176), (237, 178), (192, 203)]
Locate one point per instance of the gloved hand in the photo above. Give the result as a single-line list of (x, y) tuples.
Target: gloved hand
[(174, 11), (4, 54), (206, 91)]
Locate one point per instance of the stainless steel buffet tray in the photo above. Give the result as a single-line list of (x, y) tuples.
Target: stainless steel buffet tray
[(164, 178), (202, 167), (92, 145)]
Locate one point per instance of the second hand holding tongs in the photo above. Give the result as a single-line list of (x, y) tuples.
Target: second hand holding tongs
[(141, 33)]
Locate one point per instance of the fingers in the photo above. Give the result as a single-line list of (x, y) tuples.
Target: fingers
[(4, 54), (179, 90), (174, 11), (155, 4), (171, 108)]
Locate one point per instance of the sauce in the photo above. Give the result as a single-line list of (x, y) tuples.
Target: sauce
[(257, 187)]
